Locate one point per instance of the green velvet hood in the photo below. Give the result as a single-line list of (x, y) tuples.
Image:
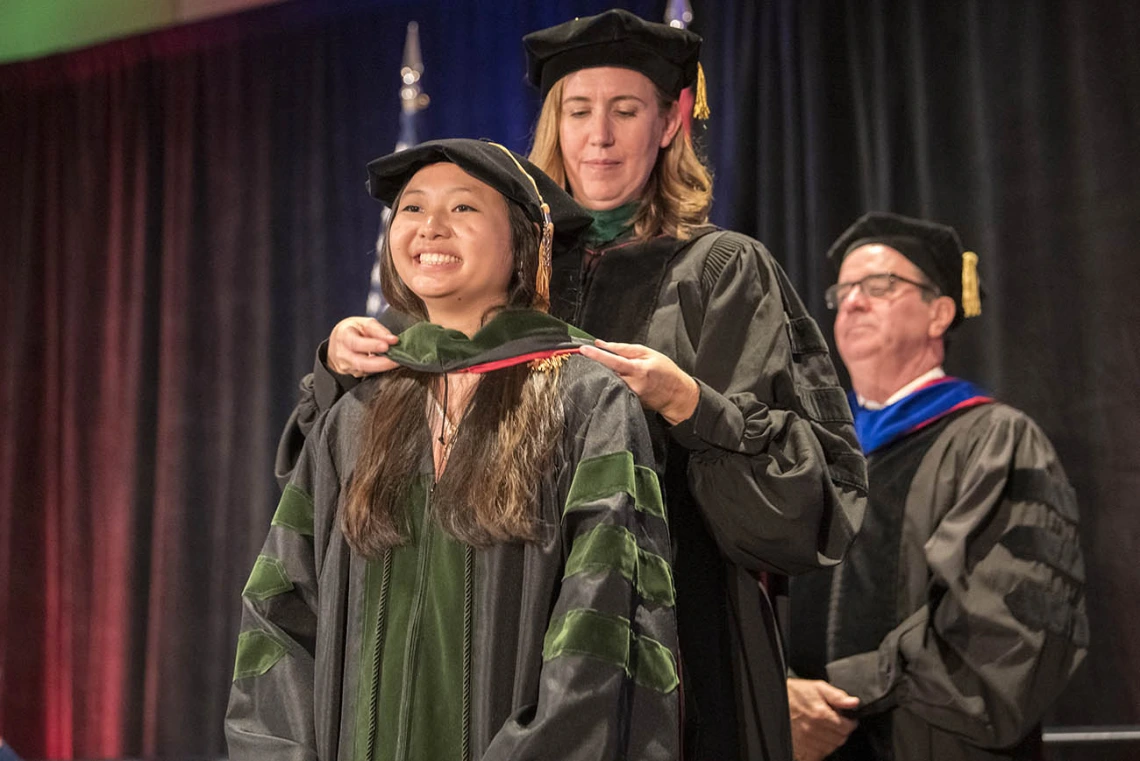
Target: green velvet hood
[(511, 337)]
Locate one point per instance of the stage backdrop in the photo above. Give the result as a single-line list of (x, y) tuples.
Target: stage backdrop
[(183, 218)]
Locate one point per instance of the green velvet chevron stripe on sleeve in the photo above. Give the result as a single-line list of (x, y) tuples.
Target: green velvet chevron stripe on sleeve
[(267, 579), (614, 548), (295, 511), (609, 474), (257, 652), (609, 638)]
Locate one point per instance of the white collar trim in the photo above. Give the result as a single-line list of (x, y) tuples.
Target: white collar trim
[(903, 392)]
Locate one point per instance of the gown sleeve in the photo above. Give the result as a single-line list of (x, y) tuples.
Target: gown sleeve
[(608, 686), (1004, 626), (271, 705), (320, 390), (774, 462)]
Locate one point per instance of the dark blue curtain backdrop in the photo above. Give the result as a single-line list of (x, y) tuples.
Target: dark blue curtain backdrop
[(183, 218), (1019, 124)]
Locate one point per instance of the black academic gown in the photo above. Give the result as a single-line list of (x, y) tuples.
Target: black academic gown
[(959, 614), (766, 476)]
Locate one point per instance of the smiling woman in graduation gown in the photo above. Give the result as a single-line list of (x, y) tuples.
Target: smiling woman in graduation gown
[(454, 641)]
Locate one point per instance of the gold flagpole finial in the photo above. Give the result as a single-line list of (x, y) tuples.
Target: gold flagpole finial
[(412, 96)]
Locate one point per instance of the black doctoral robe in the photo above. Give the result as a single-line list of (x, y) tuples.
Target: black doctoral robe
[(959, 614)]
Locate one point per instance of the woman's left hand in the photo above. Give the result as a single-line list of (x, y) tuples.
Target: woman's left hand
[(658, 382)]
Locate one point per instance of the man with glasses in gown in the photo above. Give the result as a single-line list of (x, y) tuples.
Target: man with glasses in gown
[(959, 613)]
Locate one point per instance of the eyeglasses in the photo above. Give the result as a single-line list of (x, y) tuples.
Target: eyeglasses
[(875, 286)]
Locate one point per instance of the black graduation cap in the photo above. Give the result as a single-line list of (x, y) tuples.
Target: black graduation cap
[(934, 248), (665, 54), (507, 172)]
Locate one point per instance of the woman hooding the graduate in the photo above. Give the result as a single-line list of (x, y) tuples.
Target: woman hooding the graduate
[(752, 433), (470, 560)]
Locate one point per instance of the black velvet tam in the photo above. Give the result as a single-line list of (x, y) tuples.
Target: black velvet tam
[(665, 54), (934, 248), (489, 162)]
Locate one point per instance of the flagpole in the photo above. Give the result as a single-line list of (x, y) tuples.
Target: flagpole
[(679, 14), (412, 100)]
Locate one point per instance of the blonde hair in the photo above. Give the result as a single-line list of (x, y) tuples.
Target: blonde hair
[(678, 193)]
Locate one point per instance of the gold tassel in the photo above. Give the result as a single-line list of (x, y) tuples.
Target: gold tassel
[(545, 247), (545, 261), (548, 364), (971, 298), (700, 97)]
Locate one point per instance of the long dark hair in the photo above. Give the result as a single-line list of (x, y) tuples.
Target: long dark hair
[(506, 442)]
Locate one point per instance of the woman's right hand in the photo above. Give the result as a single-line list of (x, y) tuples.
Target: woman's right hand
[(357, 346)]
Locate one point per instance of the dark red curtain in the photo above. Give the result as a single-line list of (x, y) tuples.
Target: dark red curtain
[(181, 215), (182, 219)]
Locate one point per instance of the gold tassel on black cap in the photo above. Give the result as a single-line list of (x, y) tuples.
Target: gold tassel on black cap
[(971, 297), (700, 96), (545, 255), (546, 246)]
